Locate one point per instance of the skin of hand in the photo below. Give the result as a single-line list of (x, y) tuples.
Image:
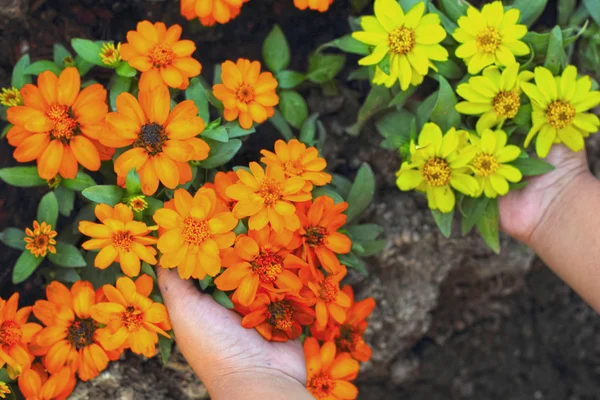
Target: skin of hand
[(232, 361)]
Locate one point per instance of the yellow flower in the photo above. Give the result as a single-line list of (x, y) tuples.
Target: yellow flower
[(494, 95), (559, 106), (438, 164), (489, 163), (137, 203), (4, 390), (41, 239), (11, 97), (490, 37), (410, 42), (110, 54)]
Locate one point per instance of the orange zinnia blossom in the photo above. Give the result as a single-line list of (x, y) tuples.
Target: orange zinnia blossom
[(132, 320), (211, 11), (58, 125), (70, 337), (120, 239), (15, 335), (35, 384), (349, 336), (320, 221), (163, 142), (246, 93), (267, 197), (194, 234), (276, 316), (160, 56), (259, 259), (330, 300), (222, 181), (40, 239), (317, 5), (297, 160), (328, 373)]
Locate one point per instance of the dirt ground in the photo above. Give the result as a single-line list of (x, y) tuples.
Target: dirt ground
[(453, 321)]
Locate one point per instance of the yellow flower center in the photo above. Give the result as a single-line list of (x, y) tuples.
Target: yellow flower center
[(271, 191), (293, 167), (10, 334), (110, 54), (485, 164), (11, 97), (321, 385), (560, 114), (437, 172), (245, 93), (122, 241), (151, 138), (315, 235), (401, 40), (195, 231), (81, 332), (65, 126), (137, 203), (132, 318), (161, 56), (488, 40), (328, 290), (506, 104), (280, 315), (268, 266)]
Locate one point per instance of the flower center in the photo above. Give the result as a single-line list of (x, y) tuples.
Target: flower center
[(132, 318), (488, 40), (161, 56), (65, 126), (271, 191), (315, 236), (122, 241), (560, 114), (41, 241), (151, 138), (328, 291), (195, 231), (280, 315), (81, 332), (437, 172), (506, 104), (137, 203), (321, 385), (10, 333), (268, 266), (11, 97), (293, 168), (485, 164), (110, 54), (349, 338), (245, 93), (401, 40)]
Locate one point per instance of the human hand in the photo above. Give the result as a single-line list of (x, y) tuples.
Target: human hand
[(232, 361)]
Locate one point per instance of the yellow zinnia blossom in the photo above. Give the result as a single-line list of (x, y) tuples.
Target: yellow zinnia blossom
[(490, 37), (494, 95), (110, 54), (4, 390), (489, 164), (559, 105), (410, 42), (437, 164), (10, 97)]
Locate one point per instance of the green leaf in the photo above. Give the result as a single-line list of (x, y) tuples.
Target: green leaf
[(443, 221), (395, 127), (565, 9), (556, 58), (234, 130), (326, 191), (341, 184), (377, 100), (64, 275), (530, 10), (119, 85), (66, 200), (149, 270), (472, 210), (206, 282), (361, 193), (22, 176), (282, 125), (5, 130), (166, 347), (448, 24), (289, 79), (100, 277), (19, 78), (48, 209), (82, 66), (385, 65), (444, 113), (293, 107), (80, 182), (222, 298), (220, 153), (276, 51), (107, 194), (593, 7), (60, 52), (372, 247), (408, 4), (523, 116), (359, 74), (352, 261), (197, 93), (67, 256), (348, 45), (454, 8), (219, 134), (532, 166), (308, 130), (13, 237), (43, 65), (132, 182), (365, 232), (450, 69), (88, 50), (26, 265), (488, 226), (324, 67), (153, 205), (126, 70)]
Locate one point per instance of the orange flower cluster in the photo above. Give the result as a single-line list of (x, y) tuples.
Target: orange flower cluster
[(211, 11), (316, 5)]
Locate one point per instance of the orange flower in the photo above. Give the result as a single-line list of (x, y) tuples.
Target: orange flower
[(58, 125), (35, 384), (349, 335), (317, 5), (320, 221), (160, 56), (246, 93), (276, 316), (328, 374), (121, 239), (259, 259), (267, 197), (163, 142), (330, 300), (15, 335), (71, 336), (40, 239), (222, 181), (132, 320), (296, 160), (211, 11), (195, 233)]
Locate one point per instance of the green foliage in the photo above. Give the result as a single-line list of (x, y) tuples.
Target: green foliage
[(443, 221), (276, 51), (67, 256), (26, 265), (80, 182), (88, 50), (293, 107), (19, 78), (48, 209), (43, 65), (198, 94), (21, 176), (13, 237), (220, 153), (361, 192), (107, 194)]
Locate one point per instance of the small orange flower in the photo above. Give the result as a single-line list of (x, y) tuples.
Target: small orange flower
[(40, 239), (132, 320), (58, 125), (15, 335), (317, 5), (195, 233), (330, 300), (246, 93), (70, 337), (211, 11), (160, 56), (276, 316), (120, 239), (222, 181), (259, 259), (349, 336), (329, 373), (267, 197), (35, 384), (320, 221), (296, 160), (163, 142)]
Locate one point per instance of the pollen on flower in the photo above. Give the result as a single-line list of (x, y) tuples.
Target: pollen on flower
[(280, 315), (560, 114), (328, 290), (488, 40), (122, 241), (132, 318), (41, 239), (271, 191), (401, 40), (437, 172), (161, 56), (65, 126), (245, 93), (110, 54), (151, 138), (10, 333), (315, 235), (321, 385), (506, 104), (11, 97), (268, 266), (81, 332), (195, 231), (485, 164)]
